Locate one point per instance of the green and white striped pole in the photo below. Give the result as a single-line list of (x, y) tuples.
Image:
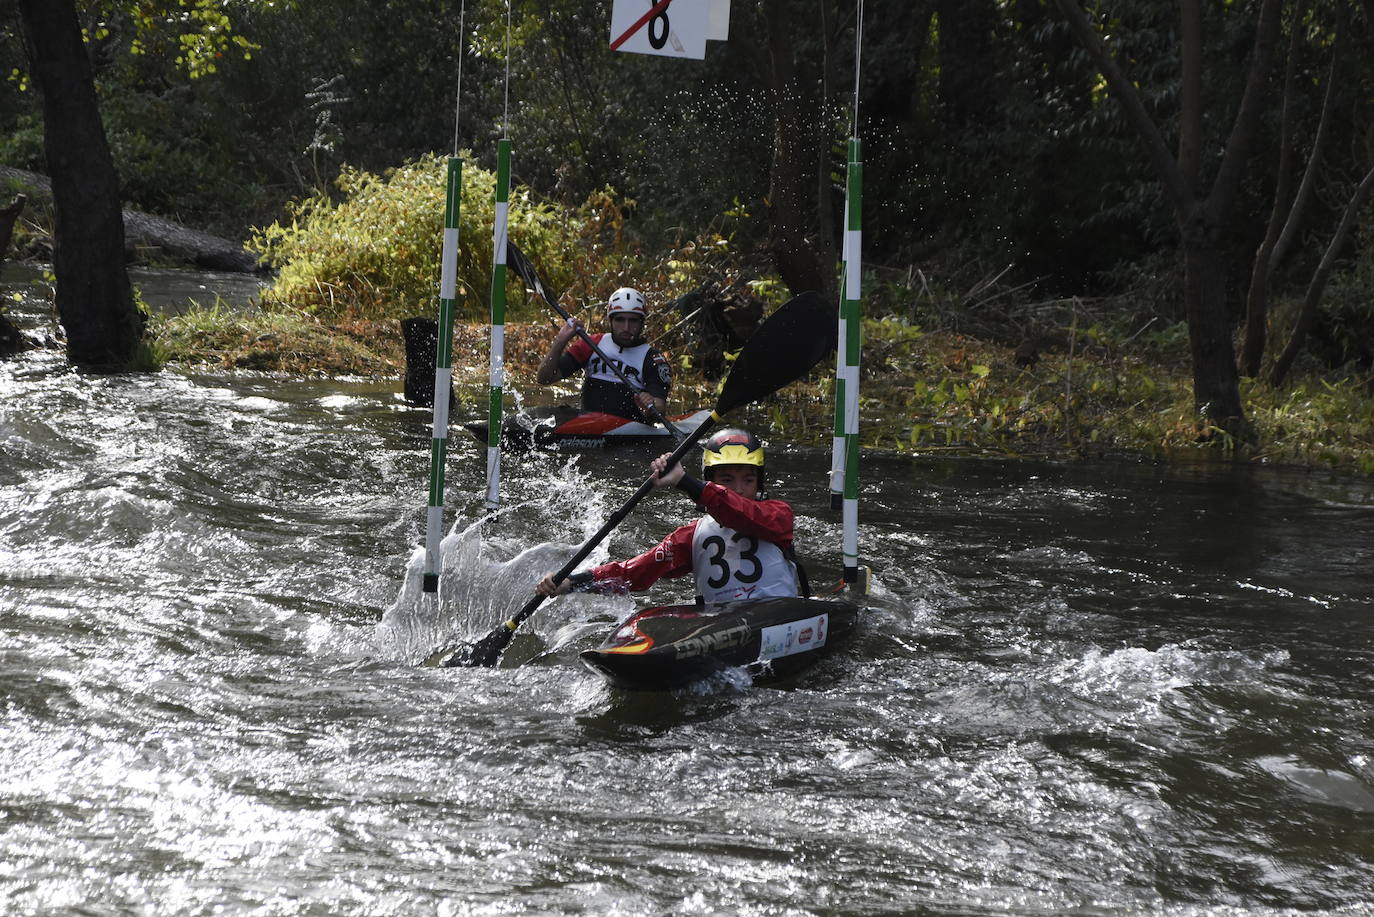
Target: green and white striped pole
[(838, 425), (844, 462), (498, 323), (844, 466), (443, 374)]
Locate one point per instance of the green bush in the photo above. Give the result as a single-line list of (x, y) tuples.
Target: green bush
[(375, 254)]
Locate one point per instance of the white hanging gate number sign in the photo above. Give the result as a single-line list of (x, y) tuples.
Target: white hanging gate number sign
[(669, 28)]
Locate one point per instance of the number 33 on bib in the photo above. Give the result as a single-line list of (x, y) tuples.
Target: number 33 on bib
[(671, 28), (730, 566)]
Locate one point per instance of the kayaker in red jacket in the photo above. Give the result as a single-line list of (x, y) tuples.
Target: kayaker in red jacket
[(741, 549)]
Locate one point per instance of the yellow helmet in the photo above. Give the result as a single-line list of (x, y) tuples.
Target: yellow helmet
[(731, 446)]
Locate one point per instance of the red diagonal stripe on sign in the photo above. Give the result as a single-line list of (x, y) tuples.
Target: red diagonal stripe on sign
[(639, 23)]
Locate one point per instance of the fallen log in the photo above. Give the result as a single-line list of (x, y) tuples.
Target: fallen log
[(147, 235), (144, 231)]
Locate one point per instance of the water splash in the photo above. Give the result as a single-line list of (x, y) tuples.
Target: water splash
[(485, 577)]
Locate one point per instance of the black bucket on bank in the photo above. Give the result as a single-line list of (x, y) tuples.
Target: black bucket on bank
[(421, 337)]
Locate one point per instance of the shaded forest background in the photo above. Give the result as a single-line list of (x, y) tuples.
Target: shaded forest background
[(994, 151)]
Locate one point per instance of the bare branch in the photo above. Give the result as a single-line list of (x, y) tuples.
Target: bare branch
[(1309, 178), (1262, 268)]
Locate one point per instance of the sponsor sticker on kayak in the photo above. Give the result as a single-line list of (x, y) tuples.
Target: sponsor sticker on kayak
[(794, 637)]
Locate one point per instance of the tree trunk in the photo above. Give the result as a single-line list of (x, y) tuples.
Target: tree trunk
[(1262, 268), (94, 298), (1216, 384), (803, 250)]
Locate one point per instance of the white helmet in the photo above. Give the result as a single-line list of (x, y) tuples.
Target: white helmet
[(626, 299)]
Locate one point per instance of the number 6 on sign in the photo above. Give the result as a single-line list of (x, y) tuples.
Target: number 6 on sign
[(671, 28)]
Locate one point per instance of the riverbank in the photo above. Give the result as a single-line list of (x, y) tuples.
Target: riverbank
[(922, 391), (957, 356)]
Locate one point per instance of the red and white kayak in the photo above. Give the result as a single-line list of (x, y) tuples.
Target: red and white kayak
[(667, 647), (567, 430)]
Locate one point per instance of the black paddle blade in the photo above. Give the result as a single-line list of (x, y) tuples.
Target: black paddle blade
[(786, 347), (516, 261), (485, 653)]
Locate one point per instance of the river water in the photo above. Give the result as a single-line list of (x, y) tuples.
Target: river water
[(1099, 689)]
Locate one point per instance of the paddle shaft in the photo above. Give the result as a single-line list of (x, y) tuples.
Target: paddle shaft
[(616, 518)]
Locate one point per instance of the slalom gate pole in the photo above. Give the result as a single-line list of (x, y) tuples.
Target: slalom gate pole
[(850, 341), (498, 323), (443, 374), (837, 441), (844, 460)]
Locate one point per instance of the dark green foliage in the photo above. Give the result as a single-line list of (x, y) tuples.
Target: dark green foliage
[(684, 139), (1344, 332)]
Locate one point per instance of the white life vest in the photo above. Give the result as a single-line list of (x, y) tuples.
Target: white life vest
[(730, 566), (629, 359)]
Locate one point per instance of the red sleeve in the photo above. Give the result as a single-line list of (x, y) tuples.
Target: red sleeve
[(579, 350), (770, 520), (671, 557)]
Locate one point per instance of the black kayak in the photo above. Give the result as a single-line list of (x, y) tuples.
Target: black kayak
[(564, 429), (674, 645)]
